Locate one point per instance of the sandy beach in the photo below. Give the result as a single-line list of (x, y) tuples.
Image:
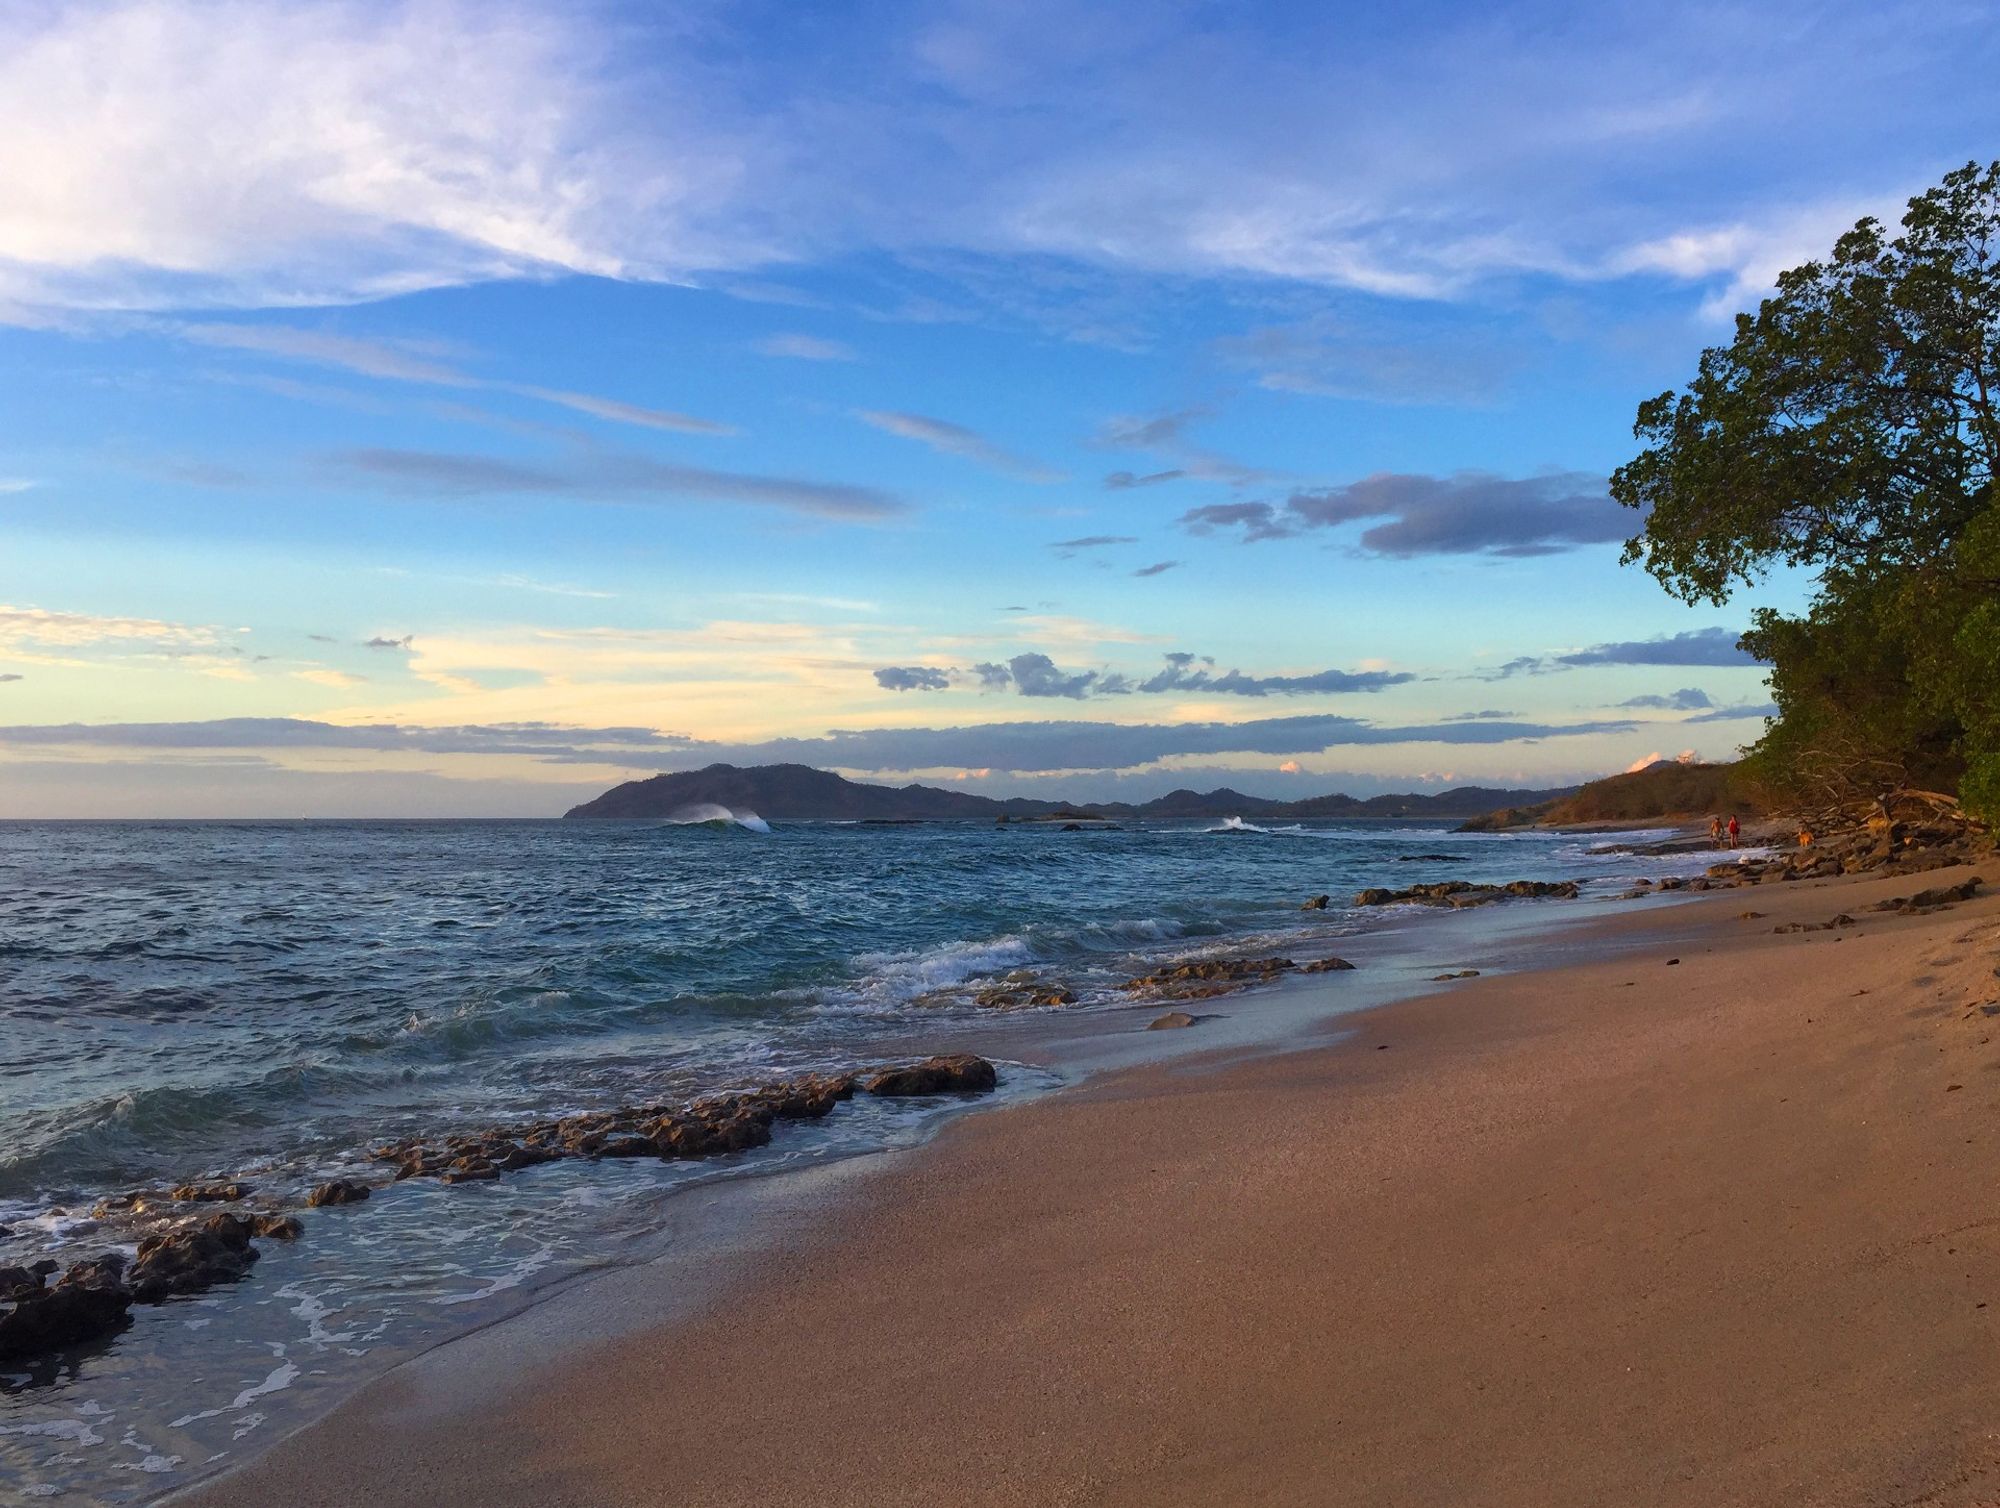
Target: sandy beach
[(1708, 1218)]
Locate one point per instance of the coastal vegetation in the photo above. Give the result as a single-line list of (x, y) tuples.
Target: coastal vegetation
[(1666, 788), (1850, 429)]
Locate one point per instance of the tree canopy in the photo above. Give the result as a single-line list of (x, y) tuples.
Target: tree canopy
[(1852, 427)]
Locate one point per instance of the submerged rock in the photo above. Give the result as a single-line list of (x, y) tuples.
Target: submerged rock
[(1326, 966), (1317, 903), (211, 1193), (952, 1073), (277, 1227), (1022, 990), (338, 1191), (1172, 1020)]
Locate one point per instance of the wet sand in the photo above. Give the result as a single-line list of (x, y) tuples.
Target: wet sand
[(1625, 1232)]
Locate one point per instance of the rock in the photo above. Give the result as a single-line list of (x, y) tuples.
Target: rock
[(1751, 916), (1942, 895), (277, 1227), (191, 1258), (211, 1193), (1432, 858), (1170, 1021), (89, 1302), (1460, 893), (1317, 903), (1461, 974), (953, 1073), (1021, 990), (1325, 966), (338, 1191), (1204, 978)]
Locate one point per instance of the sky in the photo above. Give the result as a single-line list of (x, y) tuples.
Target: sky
[(456, 409)]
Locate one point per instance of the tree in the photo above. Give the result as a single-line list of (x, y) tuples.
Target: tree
[(1852, 427)]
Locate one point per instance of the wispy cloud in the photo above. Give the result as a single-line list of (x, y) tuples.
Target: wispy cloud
[(41, 626), (1107, 137), (955, 439), (1168, 435), (1125, 481), (420, 362), (1158, 568), (339, 680), (804, 348), (1068, 548), (603, 478), (10, 484)]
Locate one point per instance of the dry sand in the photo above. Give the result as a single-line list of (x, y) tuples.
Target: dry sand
[(1724, 1231)]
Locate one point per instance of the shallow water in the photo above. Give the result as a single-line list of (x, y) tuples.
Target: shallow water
[(266, 999)]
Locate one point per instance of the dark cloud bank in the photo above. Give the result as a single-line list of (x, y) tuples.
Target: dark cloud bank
[(1037, 675), (1026, 748), (1471, 513)]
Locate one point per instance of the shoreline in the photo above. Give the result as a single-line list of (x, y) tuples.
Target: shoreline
[(263, 1360), (778, 1341)]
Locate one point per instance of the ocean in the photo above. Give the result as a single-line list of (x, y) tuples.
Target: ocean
[(264, 1000)]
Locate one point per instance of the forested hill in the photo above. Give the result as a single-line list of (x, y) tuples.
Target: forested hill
[(793, 791)]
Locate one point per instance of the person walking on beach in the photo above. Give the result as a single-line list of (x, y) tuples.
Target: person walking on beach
[(1715, 831), (1735, 830)]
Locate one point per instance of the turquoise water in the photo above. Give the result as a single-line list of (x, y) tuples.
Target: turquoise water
[(265, 999)]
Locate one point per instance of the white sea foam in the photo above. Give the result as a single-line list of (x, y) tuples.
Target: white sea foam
[(277, 1381), (514, 1277), (1235, 825)]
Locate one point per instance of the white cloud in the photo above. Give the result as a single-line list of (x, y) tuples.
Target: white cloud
[(9, 484), (205, 153), (179, 153), (34, 625)]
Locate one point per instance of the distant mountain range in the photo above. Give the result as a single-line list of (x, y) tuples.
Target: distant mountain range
[(796, 791)]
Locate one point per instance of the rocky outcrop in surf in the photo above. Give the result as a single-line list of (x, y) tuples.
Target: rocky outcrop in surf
[(1460, 894), (87, 1303), (177, 1257), (1205, 978), (709, 1127)]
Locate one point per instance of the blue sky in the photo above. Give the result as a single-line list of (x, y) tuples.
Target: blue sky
[(412, 408)]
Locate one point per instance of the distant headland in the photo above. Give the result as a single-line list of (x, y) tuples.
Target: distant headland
[(798, 792)]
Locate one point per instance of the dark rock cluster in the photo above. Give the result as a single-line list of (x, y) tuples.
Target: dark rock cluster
[(1460, 893), (175, 1257), (708, 1127), (1205, 978), (1022, 990), (1933, 899), (94, 1299)]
